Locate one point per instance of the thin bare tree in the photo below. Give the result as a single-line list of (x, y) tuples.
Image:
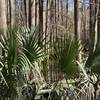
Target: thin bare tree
[(11, 12), (41, 16), (3, 20), (75, 18)]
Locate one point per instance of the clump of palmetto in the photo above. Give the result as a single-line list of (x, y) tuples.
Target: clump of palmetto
[(20, 53)]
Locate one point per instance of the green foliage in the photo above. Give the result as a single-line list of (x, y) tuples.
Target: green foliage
[(19, 53), (45, 68), (35, 52), (93, 61), (65, 54), (31, 47), (14, 64)]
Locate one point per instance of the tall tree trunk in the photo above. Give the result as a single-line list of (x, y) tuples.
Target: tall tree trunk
[(46, 24), (25, 10), (40, 16), (58, 15), (30, 14), (56, 19), (33, 13), (11, 12), (79, 25), (51, 37), (98, 25), (40, 20), (77, 22), (66, 13), (92, 24), (75, 18), (3, 24), (83, 22), (62, 18), (36, 12), (46, 15)]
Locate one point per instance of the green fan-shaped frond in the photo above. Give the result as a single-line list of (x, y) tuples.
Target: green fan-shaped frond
[(31, 47), (15, 64), (93, 61), (65, 54)]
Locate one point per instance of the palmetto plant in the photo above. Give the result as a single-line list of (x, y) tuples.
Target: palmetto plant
[(66, 52), (92, 67), (91, 71), (14, 64), (34, 51), (93, 61), (64, 56), (20, 53)]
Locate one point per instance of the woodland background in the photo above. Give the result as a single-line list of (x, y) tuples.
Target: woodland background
[(78, 19)]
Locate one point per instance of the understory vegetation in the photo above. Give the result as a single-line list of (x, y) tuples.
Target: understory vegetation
[(49, 49), (24, 65)]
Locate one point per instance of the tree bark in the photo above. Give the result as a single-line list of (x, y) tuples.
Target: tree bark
[(75, 18), (98, 25), (25, 10), (30, 15), (11, 12), (40, 21), (36, 12), (3, 24), (40, 16), (66, 13), (92, 24)]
